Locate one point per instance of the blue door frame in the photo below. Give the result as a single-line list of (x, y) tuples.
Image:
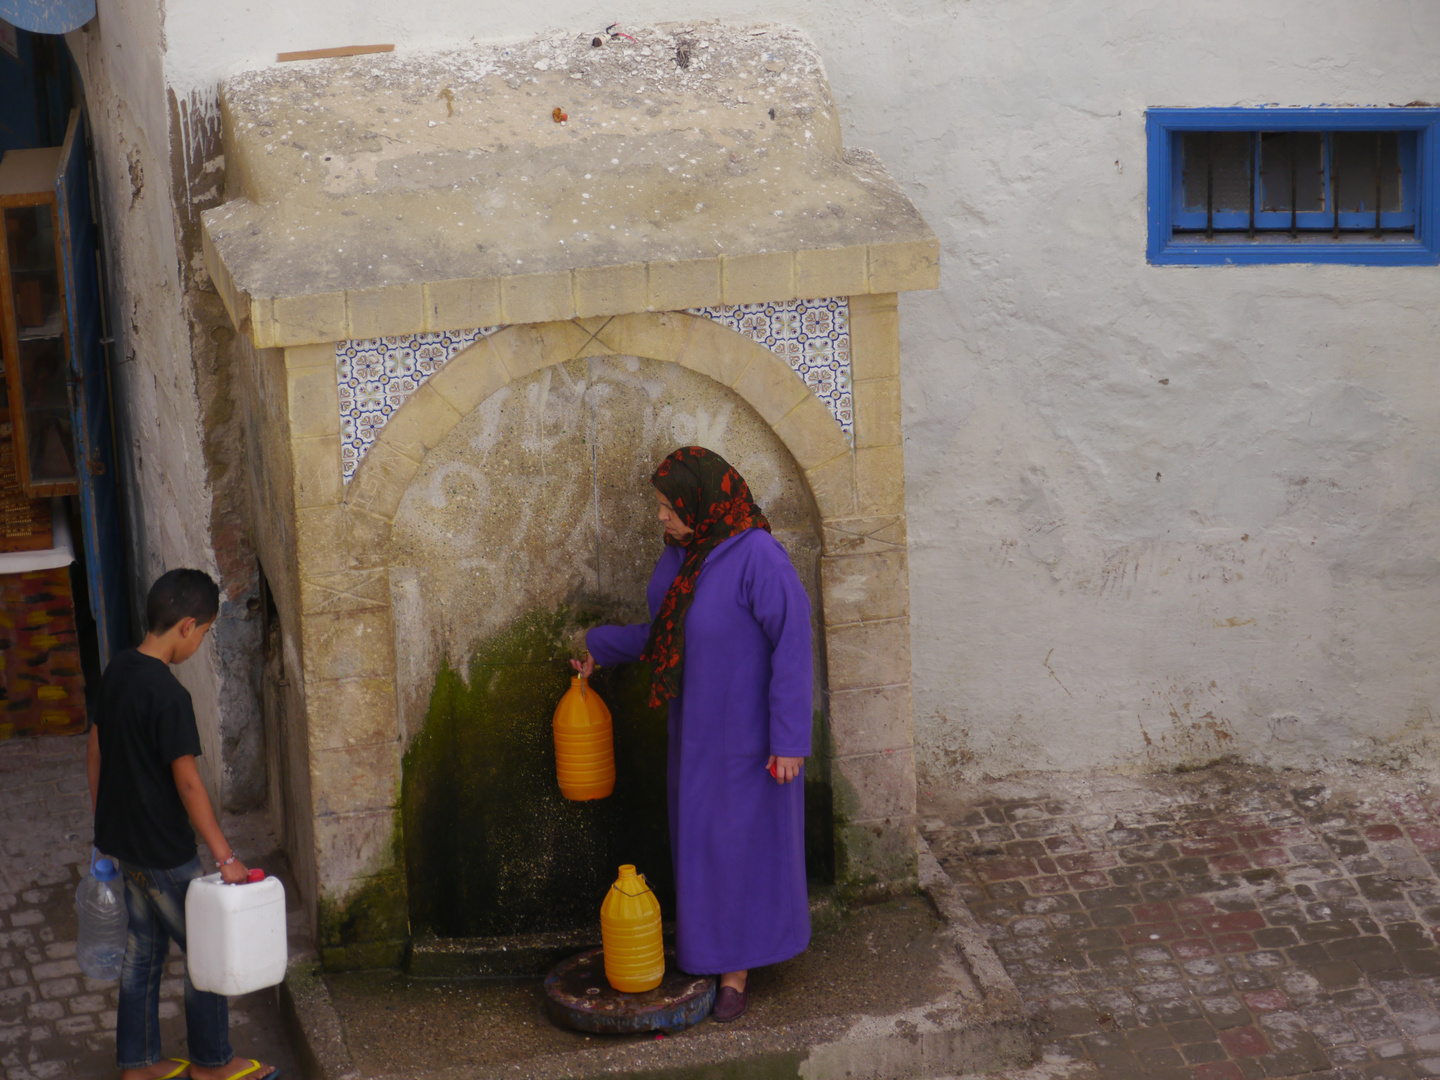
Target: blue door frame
[(89, 378)]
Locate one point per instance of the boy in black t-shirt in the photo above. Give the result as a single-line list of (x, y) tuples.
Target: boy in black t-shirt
[(147, 795)]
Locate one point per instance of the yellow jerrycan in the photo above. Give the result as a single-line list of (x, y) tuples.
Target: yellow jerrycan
[(584, 744), (630, 934)]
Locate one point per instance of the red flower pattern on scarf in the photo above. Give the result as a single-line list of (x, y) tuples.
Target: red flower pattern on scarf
[(713, 499)]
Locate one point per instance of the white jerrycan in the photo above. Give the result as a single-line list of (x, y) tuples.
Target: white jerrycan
[(235, 934)]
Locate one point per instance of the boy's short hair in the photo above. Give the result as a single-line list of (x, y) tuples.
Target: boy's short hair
[(181, 594)]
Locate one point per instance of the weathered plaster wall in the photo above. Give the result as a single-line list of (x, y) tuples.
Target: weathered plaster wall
[(1108, 568), (175, 430), (535, 516), (542, 497), (196, 183), (157, 431)]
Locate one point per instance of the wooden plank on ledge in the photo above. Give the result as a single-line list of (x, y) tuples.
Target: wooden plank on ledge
[(344, 50)]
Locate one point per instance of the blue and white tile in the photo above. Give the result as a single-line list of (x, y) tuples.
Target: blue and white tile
[(377, 375), (813, 336)]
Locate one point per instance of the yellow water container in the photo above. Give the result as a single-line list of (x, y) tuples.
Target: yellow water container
[(630, 934), (584, 744)]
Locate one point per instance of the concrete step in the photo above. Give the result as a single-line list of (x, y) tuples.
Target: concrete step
[(903, 989)]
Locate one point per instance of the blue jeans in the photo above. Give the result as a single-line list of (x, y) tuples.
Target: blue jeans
[(155, 901)]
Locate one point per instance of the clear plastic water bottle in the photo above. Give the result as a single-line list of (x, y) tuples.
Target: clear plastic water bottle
[(104, 924)]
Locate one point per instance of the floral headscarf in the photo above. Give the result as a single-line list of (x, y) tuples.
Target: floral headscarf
[(713, 499)]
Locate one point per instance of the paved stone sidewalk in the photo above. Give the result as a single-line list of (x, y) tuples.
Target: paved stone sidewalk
[(1225, 924), (54, 1021)]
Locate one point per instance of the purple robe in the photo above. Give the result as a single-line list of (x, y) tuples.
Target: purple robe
[(737, 836)]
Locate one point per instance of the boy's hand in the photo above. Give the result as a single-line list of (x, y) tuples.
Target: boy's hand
[(585, 667), (235, 873)]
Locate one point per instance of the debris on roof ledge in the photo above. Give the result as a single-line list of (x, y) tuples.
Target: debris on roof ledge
[(666, 167)]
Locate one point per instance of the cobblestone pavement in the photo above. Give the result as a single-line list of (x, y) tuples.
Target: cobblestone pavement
[(1230, 923), (54, 1021)]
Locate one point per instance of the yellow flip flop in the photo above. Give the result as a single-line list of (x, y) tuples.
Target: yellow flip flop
[(254, 1068), (183, 1066)]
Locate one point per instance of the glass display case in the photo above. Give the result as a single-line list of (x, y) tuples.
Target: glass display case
[(34, 327)]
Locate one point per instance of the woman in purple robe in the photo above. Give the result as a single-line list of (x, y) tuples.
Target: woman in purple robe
[(729, 647)]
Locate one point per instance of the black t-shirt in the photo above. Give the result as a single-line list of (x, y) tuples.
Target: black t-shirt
[(145, 721)]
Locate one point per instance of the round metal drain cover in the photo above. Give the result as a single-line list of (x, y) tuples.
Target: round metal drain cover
[(578, 997)]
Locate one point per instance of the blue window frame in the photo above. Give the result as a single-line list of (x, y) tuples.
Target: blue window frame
[(1276, 185)]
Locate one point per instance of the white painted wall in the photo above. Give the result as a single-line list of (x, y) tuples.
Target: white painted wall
[(1274, 592), (120, 56), (1111, 570)]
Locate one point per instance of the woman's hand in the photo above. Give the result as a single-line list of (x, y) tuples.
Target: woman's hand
[(585, 667), (784, 769)]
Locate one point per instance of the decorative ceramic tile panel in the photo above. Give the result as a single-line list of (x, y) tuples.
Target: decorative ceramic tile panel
[(814, 338), (377, 375)]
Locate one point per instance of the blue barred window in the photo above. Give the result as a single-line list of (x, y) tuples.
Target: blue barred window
[(1274, 185)]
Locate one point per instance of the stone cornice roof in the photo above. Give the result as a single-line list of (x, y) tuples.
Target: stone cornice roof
[(416, 192)]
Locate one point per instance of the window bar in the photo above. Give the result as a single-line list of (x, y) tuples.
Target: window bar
[(1209, 185), (1378, 188), (1252, 161), (1333, 160), (1294, 185)]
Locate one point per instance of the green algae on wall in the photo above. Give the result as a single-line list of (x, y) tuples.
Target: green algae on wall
[(370, 928), (819, 806), (866, 856), (491, 846)]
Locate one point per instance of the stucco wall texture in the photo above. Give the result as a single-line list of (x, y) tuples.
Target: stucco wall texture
[(542, 497), (1161, 515), (158, 429), (1156, 515)]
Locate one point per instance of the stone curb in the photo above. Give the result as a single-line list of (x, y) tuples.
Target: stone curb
[(985, 965), (313, 1025)]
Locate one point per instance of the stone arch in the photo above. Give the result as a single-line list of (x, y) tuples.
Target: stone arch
[(348, 626), (526, 519)]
